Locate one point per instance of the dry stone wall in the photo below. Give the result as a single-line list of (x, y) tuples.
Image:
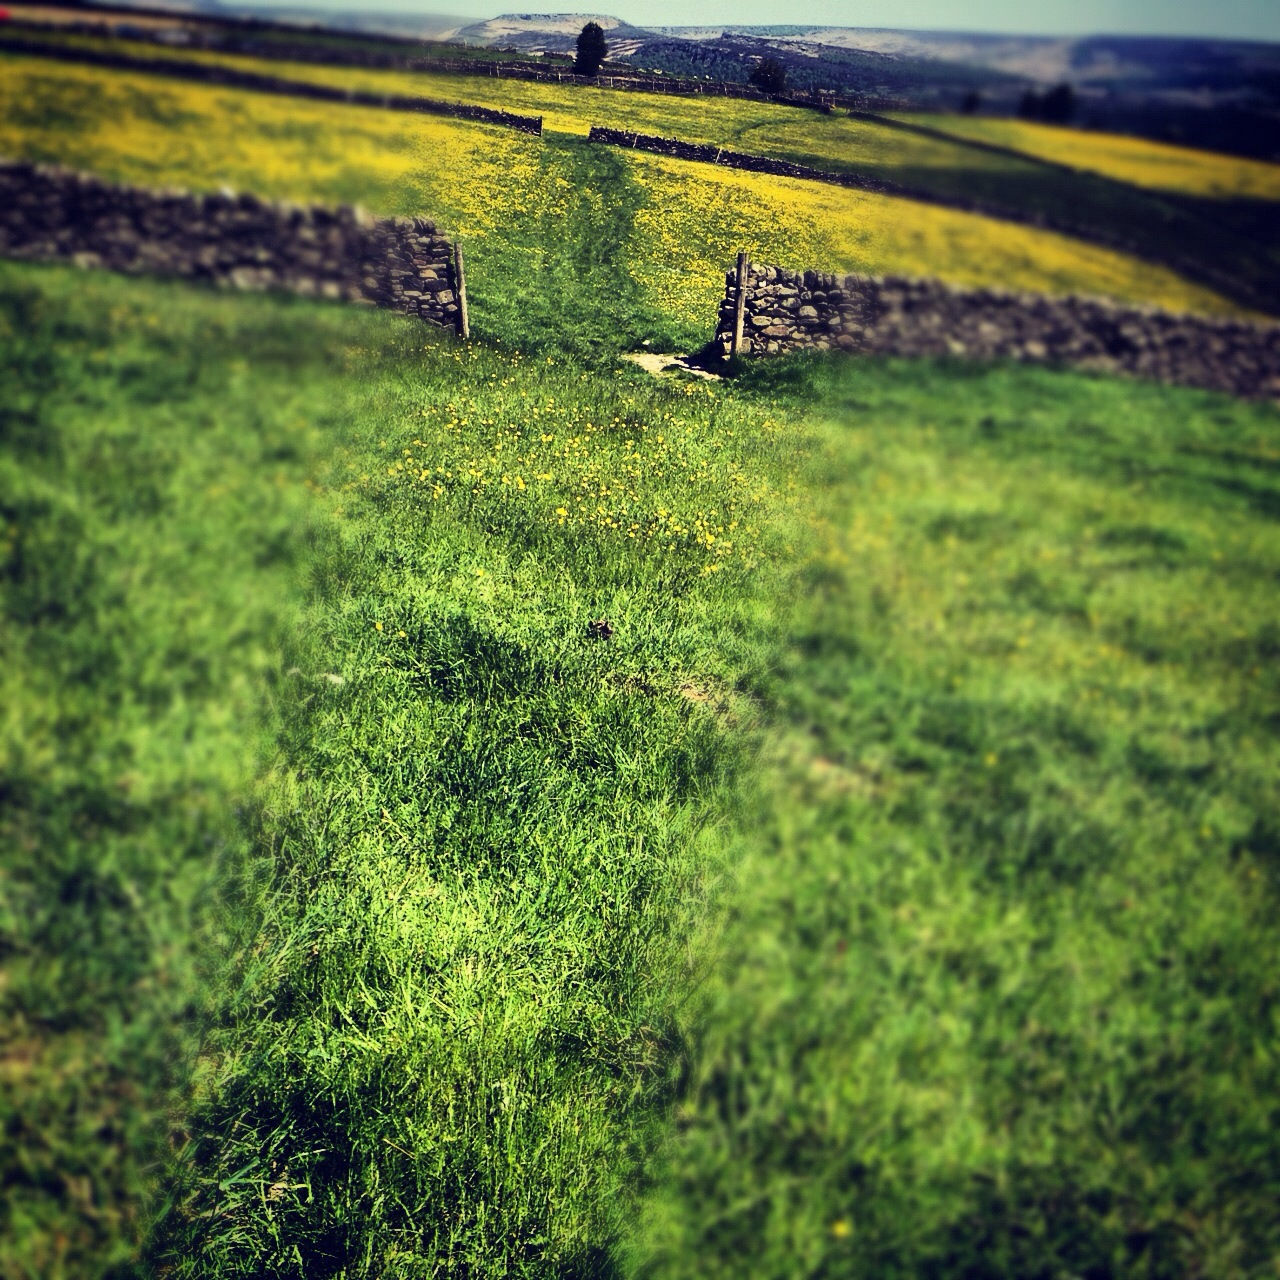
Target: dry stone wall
[(704, 153), (784, 311), (404, 264)]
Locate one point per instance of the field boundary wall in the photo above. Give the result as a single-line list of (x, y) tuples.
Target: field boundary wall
[(769, 310), (1136, 247), (233, 78), (49, 213)]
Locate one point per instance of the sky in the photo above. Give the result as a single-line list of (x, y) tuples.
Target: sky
[(1245, 19)]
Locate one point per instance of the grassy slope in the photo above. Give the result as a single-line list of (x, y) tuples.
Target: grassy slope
[(890, 895), (1192, 221), (475, 821), (832, 141), (154, 533), (995, 993), (1227, 205), (526, 207), (1163, 166)]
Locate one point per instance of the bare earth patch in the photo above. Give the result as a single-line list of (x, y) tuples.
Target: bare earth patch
[(667, 366)]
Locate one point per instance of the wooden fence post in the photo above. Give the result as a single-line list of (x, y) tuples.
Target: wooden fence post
[(739, 305), (460, 285)]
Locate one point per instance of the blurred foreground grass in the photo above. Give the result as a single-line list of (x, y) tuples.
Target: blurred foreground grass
[(891, 894)]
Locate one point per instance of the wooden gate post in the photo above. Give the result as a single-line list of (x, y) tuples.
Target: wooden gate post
[(739, 305), (460, 285)]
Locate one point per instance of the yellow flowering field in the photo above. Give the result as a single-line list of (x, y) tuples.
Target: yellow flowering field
[(141, 128), (676, 225), (569, 465), (767, 129), (1136, 160), (702, 217), (1112, 195), (837, 141), (762, 127)]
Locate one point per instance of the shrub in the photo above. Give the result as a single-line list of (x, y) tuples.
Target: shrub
[(770, 75)]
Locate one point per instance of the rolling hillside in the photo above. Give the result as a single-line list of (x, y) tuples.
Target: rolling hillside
[(532, 209), (1179, 170), (1215, 241), (480, 809)]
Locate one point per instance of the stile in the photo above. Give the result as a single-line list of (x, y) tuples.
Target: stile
[(739, 306), (460, 280)]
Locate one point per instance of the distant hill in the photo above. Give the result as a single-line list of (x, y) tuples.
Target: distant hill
[(1098, 60), (552, 32), (1219, 94), (733, 55), (388, 22)]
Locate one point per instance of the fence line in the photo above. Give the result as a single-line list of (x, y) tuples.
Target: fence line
[(49, 213)]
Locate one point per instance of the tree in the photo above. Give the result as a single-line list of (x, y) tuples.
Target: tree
[(1058, 105), (591, 50), (770, 75), (1054, 106), (971, 103)]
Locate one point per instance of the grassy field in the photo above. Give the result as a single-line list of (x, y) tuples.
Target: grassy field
[(831, 141), (1206, 213), (891, 894), (483, 811), (154, 536), (1160, 165), (836, 141), (569, 244)]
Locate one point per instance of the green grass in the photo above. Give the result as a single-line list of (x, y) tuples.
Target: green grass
[(994, 992), (891, 894), (153, 529)]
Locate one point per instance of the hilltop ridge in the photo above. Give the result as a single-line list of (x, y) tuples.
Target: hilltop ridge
[(552, 32)]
